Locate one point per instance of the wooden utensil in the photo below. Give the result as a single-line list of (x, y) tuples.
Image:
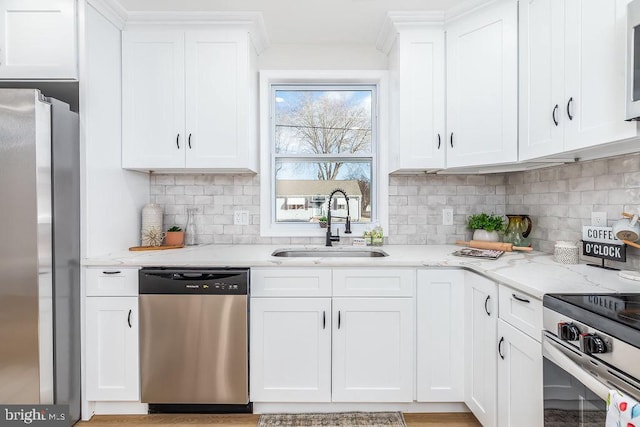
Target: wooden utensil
[(154, 248), (630, 243), (496, 246)]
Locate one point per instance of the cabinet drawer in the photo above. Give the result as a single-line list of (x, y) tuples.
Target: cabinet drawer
[(111, 281), (374, 282), (521, 310), (290, 282)]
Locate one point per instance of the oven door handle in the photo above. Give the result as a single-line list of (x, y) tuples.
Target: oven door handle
[(555, 353)]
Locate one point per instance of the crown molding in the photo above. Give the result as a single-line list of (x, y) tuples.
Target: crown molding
[(396, 21), (112, 10), (253, 21)]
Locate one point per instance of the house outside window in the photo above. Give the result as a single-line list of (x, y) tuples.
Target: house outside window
[(321, 137)]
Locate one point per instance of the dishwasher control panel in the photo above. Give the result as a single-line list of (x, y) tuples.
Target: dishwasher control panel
[(164, 280)]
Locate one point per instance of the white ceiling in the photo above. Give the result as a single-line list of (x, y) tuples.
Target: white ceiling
[(307, 21)]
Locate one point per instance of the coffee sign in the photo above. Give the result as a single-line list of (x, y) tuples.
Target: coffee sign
[(600, 242), (599, 234)]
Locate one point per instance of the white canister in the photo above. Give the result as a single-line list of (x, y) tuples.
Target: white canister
[(151, 221), (566, 252)]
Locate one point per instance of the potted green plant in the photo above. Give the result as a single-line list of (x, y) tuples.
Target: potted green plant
[(486, 227), (174, 236), (374, 237), (322, 221)]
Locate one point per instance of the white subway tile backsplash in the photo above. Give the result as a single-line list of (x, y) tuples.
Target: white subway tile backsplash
[(559, 199)]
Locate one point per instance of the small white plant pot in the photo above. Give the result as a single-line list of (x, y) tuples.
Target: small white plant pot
[(487, 236)]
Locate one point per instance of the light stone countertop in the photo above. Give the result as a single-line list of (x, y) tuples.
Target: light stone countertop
[(534, 273)]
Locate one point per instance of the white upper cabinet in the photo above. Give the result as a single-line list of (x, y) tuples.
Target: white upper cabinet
[(482, 86), (572, 65), (153, 99), (38, 39), (416, 62), (189, 100)]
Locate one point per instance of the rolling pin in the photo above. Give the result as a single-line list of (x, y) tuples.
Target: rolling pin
[(496, 246)]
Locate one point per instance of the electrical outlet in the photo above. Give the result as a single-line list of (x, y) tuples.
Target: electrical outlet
[(447, 216), (241, 218), (599, 219)]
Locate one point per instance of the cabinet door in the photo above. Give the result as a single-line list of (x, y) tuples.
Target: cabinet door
[(481, 323), (519, 378), (153, 131), (439, 336), (38, 39), (217, 87), (482, 86), (290, 350), (417, 69), (595, 73), (112, 353), (541, 57), (373, 350)]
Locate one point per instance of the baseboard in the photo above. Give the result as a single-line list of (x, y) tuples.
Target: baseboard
[(271, 408), (120, 408)]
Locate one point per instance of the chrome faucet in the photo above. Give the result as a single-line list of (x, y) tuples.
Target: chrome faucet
[(347, 227)]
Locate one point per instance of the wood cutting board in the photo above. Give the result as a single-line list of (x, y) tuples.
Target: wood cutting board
[(155, 248)]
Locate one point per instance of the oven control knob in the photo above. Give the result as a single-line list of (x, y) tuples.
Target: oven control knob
[(592, 344), (568, 331)]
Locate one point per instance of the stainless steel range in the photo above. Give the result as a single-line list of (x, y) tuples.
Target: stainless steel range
[(591, 344)]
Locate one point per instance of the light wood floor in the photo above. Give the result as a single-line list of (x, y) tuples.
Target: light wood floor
[(413, 420)]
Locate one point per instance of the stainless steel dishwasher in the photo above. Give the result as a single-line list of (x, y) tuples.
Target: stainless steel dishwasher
[(194, 340)]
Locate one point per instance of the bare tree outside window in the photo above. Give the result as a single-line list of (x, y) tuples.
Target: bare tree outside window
[(322, 135)]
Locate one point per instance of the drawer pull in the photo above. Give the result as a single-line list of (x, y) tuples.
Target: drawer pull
[(486, 309), (111, 272), (129, 319), (517, 298), (500, 348), (324, 319), (338, 319)]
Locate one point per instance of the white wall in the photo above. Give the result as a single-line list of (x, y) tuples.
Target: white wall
[(322, 57), (113, 198)]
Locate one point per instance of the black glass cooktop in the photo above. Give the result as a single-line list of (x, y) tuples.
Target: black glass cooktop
[(615, 314)]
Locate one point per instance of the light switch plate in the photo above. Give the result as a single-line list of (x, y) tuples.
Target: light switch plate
[(599, 219), (241, 218), (447, 216)]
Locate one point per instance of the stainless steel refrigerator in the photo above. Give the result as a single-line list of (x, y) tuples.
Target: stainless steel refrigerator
[(39, 251)]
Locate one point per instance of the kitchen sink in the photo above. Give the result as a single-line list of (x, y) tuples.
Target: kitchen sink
[(330, 252)]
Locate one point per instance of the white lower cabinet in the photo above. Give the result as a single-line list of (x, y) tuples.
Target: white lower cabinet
[(372, 350), (111, 359), (481, 329), (439, 345), (111, 355), (520, 391), (323, 349), (290, 350)]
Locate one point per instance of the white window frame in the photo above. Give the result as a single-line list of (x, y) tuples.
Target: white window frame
[(379, 78)]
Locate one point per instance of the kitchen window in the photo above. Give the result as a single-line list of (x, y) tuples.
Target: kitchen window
[(322, 136)]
